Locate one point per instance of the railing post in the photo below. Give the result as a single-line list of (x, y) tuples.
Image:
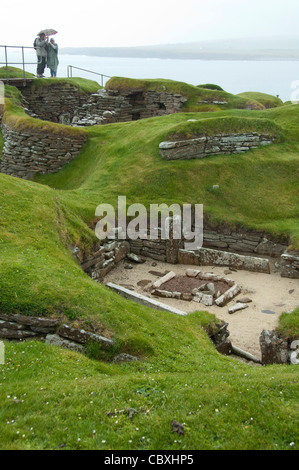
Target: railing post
[(6, 63), (23, 61)]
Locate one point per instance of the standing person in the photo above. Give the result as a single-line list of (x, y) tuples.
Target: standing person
[(41, 44), (52, 58)]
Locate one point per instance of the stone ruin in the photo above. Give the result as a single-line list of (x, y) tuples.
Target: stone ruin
[(197, 286)]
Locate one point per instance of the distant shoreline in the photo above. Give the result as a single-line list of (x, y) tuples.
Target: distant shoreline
[(275, 49), (146, 54)]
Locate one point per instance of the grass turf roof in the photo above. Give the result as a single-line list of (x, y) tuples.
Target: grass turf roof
[(196, 96), (14, 72), (226, 125), (269, 101), (83, 85)]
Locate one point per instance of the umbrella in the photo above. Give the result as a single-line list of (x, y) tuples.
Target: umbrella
[(48, 32)]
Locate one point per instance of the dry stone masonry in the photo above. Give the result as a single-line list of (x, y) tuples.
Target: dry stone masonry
[(33, 151), (56, 102), (275, 348), (51, 330), (206, 145), (208, 288), (290, 265), (63, 103), (107, 106), (103, 258)]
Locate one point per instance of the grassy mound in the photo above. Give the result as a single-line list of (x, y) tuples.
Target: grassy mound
[(52, 398), (84, 86), (225, 125), (124, 159), (56, 399), (211, 86), (268, 101), (198, 98), (14, 72)]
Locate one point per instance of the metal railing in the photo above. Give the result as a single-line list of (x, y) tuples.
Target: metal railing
[(70, 73), (7, 63)]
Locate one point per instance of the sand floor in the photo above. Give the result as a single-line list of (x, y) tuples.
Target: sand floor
[(269, 292)]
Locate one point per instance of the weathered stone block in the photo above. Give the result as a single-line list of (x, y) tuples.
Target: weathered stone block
[(274, 348)]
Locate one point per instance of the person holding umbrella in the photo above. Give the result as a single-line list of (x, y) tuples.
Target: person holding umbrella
[(52, 57), (40, 45)]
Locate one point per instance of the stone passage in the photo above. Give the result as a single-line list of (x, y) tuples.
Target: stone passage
[(37, 151), (107, 106), (205, 145), (63, 103)]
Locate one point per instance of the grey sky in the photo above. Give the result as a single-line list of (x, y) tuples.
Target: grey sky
[(135, 22)]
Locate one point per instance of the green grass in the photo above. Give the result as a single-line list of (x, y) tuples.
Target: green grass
[(211, 86), (288, 324), (123, 159), (14, 72), (269, 101), (194, 94), (84, 86), (57, 399), (16, 118)]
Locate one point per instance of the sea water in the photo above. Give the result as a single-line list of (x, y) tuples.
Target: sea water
[(234, 76)]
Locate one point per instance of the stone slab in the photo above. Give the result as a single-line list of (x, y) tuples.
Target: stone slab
[(211, 257), (143, 300)]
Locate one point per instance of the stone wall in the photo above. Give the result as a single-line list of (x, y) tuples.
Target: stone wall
[(36, 150), (103, 258), (63, 103), (290, 265), (108, 106), (52, 331), (223, 238), (277, 349), (56, 102), (206, 145), (245, 241), (248, 250), (210, 257)]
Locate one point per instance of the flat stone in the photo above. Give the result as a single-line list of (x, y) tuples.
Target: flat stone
[(238, 306), (16, 334), (82, 336), (143, 300), (207, 299), (245, 300), (57, 340), (228, 295), (42, 322), (164, 279), (124, 357), (135, 258)]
